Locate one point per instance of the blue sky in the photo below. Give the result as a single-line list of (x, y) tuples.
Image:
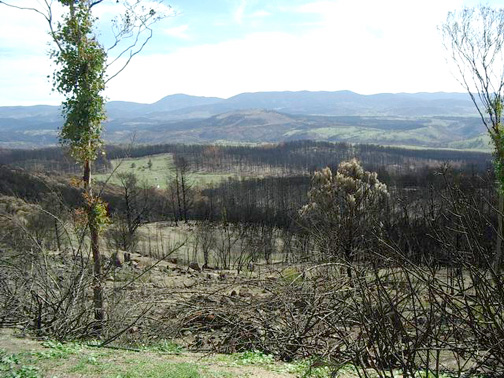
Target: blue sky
[(226, 47)]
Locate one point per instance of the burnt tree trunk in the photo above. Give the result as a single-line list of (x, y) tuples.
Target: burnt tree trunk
[(99, 311)]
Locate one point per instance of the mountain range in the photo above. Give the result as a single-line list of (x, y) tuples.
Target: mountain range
[(420, 119)]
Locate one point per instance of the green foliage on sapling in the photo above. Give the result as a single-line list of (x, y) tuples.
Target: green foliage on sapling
[(81, 62)]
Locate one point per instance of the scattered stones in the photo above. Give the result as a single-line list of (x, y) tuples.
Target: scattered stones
[(115, 260), (244, 292), (187, 282), (212, 276), (225, 300), (195, 266), (133, 329)]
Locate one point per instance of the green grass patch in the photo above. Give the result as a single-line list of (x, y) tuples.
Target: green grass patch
[(161, 360), (155, 171), (299, 368), (479, 143), (152, 170), (163, 346), (365, 134), (253, 358), (62, 360), (202, 179), (137, 367), (12, 365), (57, 350), (306, 368)]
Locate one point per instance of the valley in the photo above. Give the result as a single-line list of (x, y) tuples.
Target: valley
[(435, 120), (282, 247), (271, 224)]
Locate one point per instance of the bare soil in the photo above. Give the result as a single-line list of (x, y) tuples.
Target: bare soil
[(13, 342)]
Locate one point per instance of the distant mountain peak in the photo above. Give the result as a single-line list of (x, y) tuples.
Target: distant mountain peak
[(185, 97), (427, 119)]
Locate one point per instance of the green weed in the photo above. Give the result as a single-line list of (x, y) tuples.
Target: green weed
[(136, 369), (166, 346), (57, 350), (290, 275), (162, 346), (11, 366), (306, 368), (253, 358), (301, 368)]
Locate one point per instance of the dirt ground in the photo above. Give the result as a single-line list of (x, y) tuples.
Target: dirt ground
[(12, 342), (187, 302)]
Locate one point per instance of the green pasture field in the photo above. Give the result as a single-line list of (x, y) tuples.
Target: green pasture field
[(352, 133), (158, 174)]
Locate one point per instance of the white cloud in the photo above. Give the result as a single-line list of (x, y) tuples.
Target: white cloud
[(266, 62), (24, 82), (24, 63), (178, 32), (367, 46), (239, 12), (260, 14), (369, 51), (21, 30)]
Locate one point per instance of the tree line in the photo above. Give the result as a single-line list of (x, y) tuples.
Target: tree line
[(284, 158)]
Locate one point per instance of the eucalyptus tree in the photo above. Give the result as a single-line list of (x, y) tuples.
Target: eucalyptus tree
[(475, 39), (343, 208), (84, 66)]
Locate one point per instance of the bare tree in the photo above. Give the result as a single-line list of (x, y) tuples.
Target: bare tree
[(134, 211), (186, 192), (180, 189), (205, 234), (475, 39)]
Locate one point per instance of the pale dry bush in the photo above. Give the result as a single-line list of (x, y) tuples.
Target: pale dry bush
[(342, 212)]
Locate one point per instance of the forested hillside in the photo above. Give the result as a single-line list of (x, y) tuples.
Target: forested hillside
[(273, 256), (282, 233), (423, 119)]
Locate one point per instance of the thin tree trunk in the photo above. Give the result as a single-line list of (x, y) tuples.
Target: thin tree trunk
[(499, 157), (174, 209), (498, 242), (129, 216), (99, 312), (57, 234), (184, 198), (179, 199)]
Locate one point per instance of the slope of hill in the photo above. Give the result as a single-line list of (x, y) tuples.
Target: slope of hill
[(256, 125), (350, 103), (421, 119), (123, 109)]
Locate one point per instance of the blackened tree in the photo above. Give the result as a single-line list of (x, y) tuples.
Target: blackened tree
[(475, 39)]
